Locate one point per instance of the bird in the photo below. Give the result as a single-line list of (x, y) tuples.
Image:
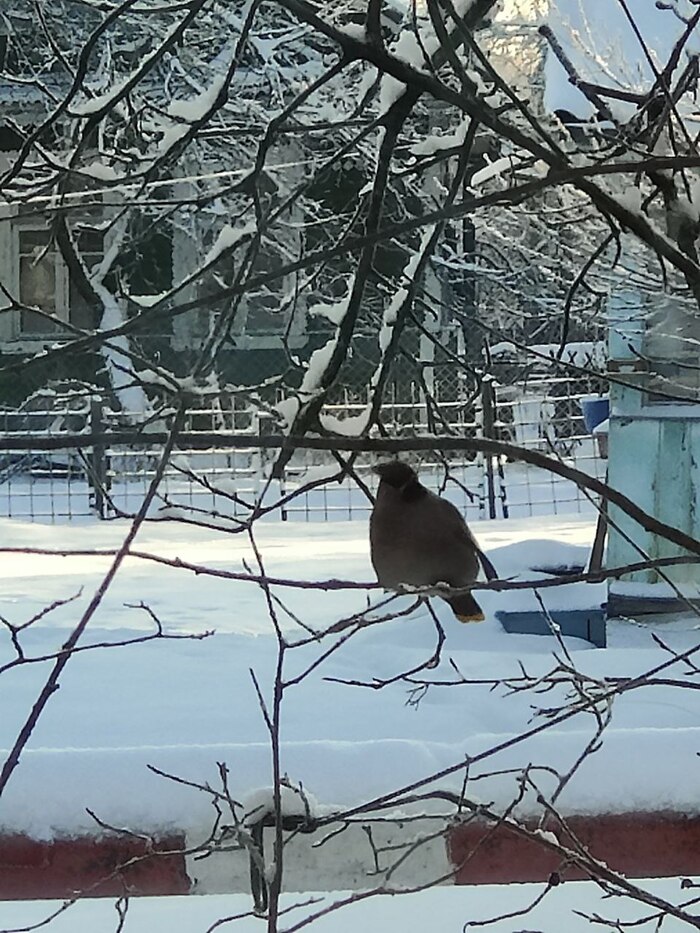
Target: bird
[(419, 539)]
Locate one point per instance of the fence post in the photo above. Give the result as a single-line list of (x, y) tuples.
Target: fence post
[(488, 423), (97, 474), (265, 425), (283, 493), (426, 388)]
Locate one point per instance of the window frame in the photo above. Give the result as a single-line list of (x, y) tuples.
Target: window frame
[(13, 337), (61, 285), (20, 339)]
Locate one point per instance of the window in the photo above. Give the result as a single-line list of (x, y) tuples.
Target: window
[(43, 278), (146, 262), (44, 281), (263, 314), (271, 312), (90, 247), (38, 282), (263, 319)]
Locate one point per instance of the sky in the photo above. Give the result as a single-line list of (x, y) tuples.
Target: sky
[(601, 42)]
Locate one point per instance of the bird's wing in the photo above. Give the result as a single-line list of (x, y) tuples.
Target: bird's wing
[(455, 529), (453, 523)]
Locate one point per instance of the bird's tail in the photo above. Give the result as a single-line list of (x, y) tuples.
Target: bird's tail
[(490, 571), (466, 608)]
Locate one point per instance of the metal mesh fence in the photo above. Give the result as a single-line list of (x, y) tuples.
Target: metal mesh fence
[(219, 484)]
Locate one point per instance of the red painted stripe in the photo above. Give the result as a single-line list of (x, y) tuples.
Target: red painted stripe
[(97, 866), (639, 845)]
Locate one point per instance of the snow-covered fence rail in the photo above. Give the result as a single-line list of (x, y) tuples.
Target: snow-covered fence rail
[(65, 461)]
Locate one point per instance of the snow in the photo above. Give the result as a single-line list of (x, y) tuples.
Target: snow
[(294, 801), (686, 411), (333, 311), (390, 314), (288, 409), (184, 112), (91, 105), (354, 31), (148, 301), (118, 785), (523, 490), (565, 906), (580, 353), (318, 363), (195, 108), (660, 590), (492, 170), (630, 199), (185, 704), (690, 206), (548, 836), (350, 425), (437, 142), (97, 169), (416, 51), (227, 238), (115, 352), (389, 92), (206, 385), (389, 319)]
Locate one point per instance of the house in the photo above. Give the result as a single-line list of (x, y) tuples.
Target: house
[(114, 204), (91, 235)]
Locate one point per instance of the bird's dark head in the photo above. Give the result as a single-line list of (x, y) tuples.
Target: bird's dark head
[(395, 473)]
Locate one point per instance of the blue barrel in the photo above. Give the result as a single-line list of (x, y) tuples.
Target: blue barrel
[(595, 411)]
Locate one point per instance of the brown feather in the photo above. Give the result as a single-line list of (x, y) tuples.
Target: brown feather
[(419, 539)]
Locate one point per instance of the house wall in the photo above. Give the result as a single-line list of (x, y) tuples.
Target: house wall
[(7, 265)]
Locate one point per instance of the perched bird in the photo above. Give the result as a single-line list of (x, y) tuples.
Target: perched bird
[(420, 539)]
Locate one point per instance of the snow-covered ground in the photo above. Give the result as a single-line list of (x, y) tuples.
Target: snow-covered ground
[(456, 908), (184, 705)]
